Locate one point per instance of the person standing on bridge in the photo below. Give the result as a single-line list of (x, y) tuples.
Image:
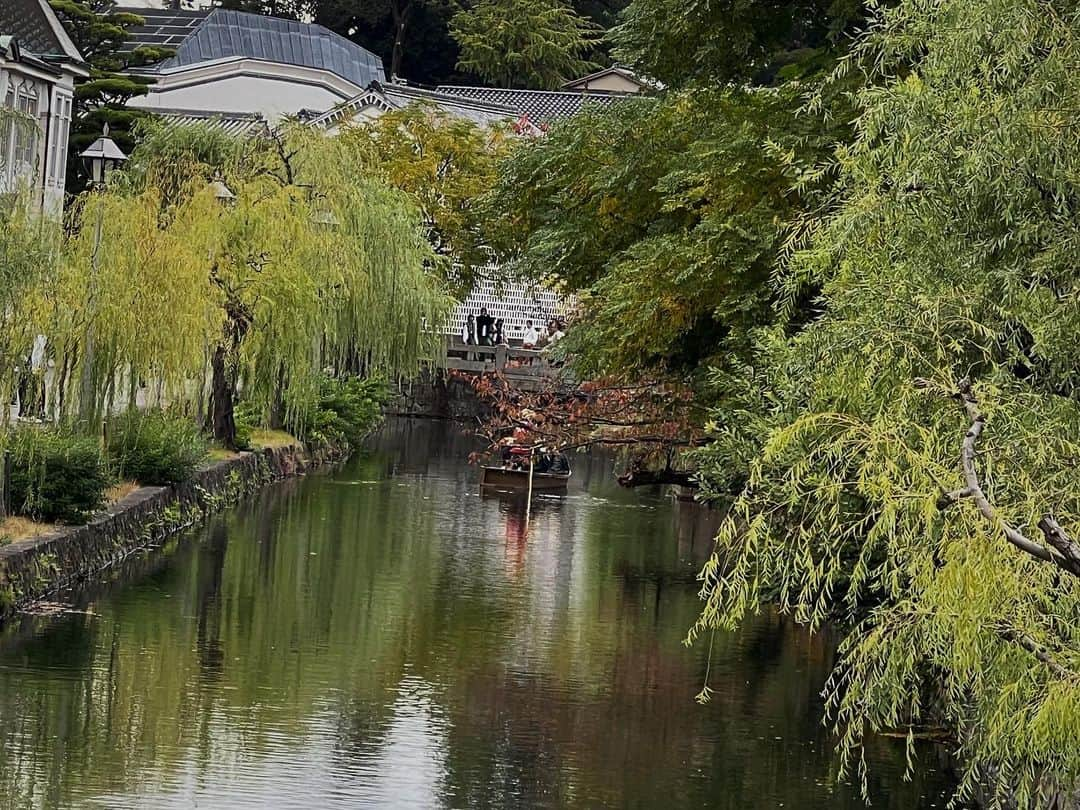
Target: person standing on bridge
[(531, 336), (484, 324)]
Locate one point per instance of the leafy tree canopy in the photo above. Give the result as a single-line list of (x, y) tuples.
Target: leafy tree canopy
[(666, 216), (918, 466), (520, 43), (680, 42), (311, 263), (445, 165)]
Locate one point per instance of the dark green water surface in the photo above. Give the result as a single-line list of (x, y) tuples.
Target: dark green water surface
[(383, 636)]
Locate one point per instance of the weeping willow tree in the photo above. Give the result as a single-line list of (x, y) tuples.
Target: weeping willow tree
[(143, 297), (251, 264), (29, 246), (918, 474)]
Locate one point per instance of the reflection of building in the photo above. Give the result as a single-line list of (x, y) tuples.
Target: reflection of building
[(38, 66)]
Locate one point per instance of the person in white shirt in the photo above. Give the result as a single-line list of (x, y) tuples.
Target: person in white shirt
[(531, 336)]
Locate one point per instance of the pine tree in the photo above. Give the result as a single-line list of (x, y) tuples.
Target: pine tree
[(100, 32)]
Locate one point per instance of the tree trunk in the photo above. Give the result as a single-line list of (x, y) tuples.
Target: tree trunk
[(401, 21), (277, 411), (222, 421)]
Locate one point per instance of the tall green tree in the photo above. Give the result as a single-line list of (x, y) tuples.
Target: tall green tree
[(412, 36), (517, 43), (445, 165), (683, 42), (918, 473), (99, 31)]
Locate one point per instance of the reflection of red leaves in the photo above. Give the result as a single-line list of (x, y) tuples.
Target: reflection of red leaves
[(655, 419)]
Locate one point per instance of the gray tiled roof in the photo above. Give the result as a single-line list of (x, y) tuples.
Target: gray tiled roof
[(224, 34), (399, 96), (164, 28), (234, 124), (541, 106), (26, 21)]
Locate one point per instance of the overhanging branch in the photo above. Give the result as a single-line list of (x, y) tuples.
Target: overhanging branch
[(1061, 550)]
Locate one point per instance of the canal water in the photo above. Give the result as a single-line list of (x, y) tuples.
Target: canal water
[(385, 636)]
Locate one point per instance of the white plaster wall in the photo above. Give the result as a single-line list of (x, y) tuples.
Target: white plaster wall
[(272, 98), (612, 83)]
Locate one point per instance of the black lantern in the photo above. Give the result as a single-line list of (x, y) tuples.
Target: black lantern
[(101, 157)]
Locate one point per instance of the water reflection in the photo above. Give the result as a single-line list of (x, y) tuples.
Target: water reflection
[(386, 636)]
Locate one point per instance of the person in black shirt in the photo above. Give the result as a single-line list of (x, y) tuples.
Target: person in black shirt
[(485, 328)]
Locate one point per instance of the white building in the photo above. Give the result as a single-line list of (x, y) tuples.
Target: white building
[(234, 62), (38, 66)]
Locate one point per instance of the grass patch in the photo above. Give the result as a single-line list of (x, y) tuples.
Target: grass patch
[(20, 528), (264, 439), (121, 490), (221, 454)]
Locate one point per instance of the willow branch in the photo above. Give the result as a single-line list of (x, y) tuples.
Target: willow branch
[(1062, 552), (1039, 651)]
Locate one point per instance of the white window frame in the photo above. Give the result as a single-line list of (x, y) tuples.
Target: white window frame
[(61, 128)]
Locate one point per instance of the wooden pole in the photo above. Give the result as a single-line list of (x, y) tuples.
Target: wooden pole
[(5, 483), (528, 498)]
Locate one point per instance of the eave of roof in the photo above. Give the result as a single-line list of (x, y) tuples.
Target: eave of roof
[(231, 123), (397, 96)]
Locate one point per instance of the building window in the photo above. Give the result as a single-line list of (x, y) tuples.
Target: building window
[(58, 147), (18, 149), (26, 132)]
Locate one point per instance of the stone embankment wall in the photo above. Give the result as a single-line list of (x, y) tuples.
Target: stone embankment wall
[(434, 394), (37, 567)]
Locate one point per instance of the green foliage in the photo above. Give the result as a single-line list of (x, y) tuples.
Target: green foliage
[(411, 36), (524, 43), (28, 247), (667, 217), (709, 42), (950, 255), (343, 411), (444, 164), (255, 289), (56, 475), (248, 419), (99, 31), (156, 447)]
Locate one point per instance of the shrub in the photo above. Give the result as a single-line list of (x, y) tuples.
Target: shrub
[(247, 419), (156, 447), (344, 411), (56, 475)]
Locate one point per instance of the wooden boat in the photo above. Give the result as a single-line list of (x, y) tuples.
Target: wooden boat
[(510, 478)]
